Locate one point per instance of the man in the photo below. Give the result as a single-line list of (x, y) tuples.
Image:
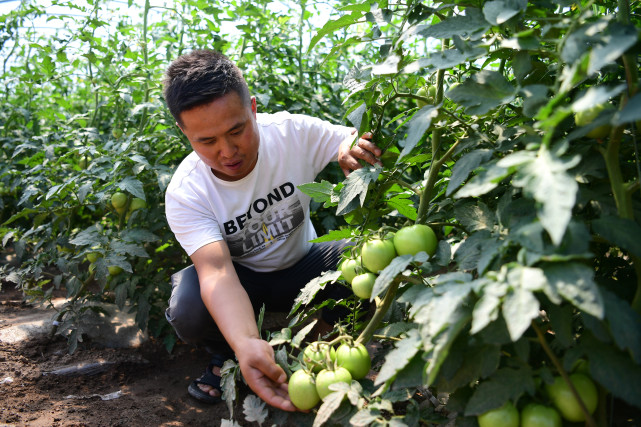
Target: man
[(235, 208)]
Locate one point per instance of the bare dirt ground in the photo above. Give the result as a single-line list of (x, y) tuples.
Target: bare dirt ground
[(144, 386)]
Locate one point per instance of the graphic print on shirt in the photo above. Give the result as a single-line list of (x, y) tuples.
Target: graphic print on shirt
[(268, 219)]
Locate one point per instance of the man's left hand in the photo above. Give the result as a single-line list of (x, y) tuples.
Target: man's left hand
[(365, 149)]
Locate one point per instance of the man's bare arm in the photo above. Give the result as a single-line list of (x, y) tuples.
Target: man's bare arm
[(229, 305)]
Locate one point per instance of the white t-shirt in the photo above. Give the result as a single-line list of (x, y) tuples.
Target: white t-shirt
[(263, 217)]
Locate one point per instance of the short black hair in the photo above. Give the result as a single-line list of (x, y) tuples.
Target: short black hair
[(200, 77)]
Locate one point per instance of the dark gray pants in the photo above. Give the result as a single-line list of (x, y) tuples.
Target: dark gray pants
[(276, 290)]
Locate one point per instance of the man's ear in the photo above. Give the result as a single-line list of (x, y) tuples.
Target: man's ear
[(180, 127), (254, 106)]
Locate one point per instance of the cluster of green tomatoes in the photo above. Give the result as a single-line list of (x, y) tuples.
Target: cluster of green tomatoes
[(119, 202), (564, 405), (376, 254), (324, 365)]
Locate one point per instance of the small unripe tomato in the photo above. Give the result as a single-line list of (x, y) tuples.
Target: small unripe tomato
[(414, 239), (505, 416), (349, 269), (377, 254), (363, 284), (355, 359), (118, 200)]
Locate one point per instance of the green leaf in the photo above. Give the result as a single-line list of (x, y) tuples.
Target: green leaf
[(404, 205), (310, 290), (630, 113), (622, 232), (254, 409), (133, 186), (396, 267), (465, 165), (471, 25), (575, 283), (483, 182), (457, 322), (482, 92), (398, 358), (613, 44), (320, 192), (614, 370), (624, 323), (504, 384), (442, 60), (330, 404), (547, 181), (475, 216), (498, 12), (519, 308), (331, 26), (417, 126), (334, 235), (356, 185)]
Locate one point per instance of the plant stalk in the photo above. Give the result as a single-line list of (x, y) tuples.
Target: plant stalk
[(376, 319)]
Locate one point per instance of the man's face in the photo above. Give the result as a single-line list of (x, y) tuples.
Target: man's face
[(225, 136)]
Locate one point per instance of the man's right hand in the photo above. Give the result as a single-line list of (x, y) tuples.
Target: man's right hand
[(263, 375)]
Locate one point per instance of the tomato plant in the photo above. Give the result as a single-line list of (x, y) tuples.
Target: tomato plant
[(376, 254), (537, 415), (302, 390), (327, 377), (354, 358)]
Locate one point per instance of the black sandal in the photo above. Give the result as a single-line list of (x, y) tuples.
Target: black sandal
[(210, 379)]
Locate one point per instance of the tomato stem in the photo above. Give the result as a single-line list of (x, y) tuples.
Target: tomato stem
[(559, 367), (376, 319)]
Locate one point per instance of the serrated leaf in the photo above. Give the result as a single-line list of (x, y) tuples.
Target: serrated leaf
[(546, 180), (482, 92), (88, 236), (417, 126), (120, 247), (630, 113), (475, 216), (356, 186), (254, 409), (483, 182), (330, 404), (457, 321), (465, 165), (624, 323), (389, 273), (471, 25), (504, 384), (622, 232), (228, 374), (389, 66), (498, 12), (441, 60), (614, 370), (398, 358), (334, 235), (575, 283), (519, 308), (300, 335), (133, 186), (404, 205), (281, 337), (320, 192), (310, 290), (613, 44), (331, 26)]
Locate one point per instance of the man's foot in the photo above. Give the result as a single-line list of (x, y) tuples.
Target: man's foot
[(207, 387)]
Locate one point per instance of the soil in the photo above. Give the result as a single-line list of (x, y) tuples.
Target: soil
[(143, 386)]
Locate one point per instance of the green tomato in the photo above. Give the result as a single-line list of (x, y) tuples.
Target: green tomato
[(355, 359), (327, 377), (427, 92), (136, 204), (414, 239), (377, 254), (315, 354), (536, 415), (302, 390), (118, 200), (93, 256), (363, 284), (505, 416), (114, 270), (565, 401), (116, 133), (585, 117), (350, 268)]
